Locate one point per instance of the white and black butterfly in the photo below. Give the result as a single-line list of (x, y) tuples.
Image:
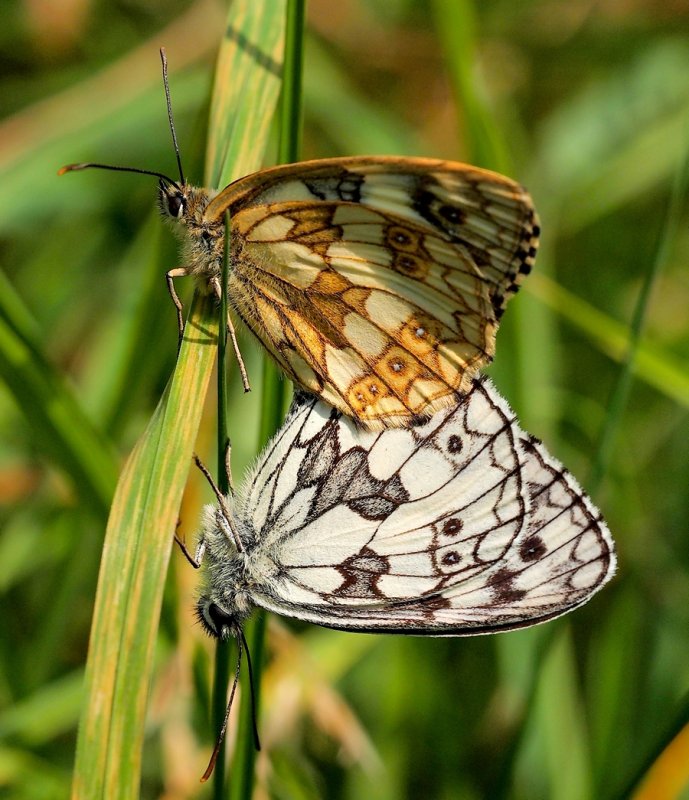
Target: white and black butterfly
[(461, 525)]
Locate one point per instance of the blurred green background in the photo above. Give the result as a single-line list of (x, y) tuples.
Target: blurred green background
[(587, 103)]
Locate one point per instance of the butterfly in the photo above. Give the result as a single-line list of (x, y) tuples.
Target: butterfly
[(462, 524), (376, 283)]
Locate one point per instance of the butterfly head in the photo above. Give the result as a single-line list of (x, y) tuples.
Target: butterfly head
[(183, 203)]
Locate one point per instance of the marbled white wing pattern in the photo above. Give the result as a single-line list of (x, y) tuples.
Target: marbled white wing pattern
[(461, 525), (376, 283)]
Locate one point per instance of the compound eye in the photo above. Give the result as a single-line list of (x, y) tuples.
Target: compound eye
[(218, 617), (215, 620), (175, 205)]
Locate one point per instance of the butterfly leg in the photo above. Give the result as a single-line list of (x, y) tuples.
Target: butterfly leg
[(228, 465), (196, 560), (224, 512), (238, 355), (233, 338), (170, 275)]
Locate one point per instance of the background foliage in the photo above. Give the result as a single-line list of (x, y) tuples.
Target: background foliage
[(585, 102)]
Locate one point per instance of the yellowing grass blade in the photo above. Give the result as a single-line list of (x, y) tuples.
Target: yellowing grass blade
[(137, 548), (246, 88)]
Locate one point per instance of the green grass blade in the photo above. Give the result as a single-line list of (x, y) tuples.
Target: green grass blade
[(289, 146), (245, 94), (273, 387), (560, 720), (132, 575), (455, 27), (247, 85), (620, 394), (526, 354), (60, 426), (149, 493), (661, 370), (221, 668), (644, 767)]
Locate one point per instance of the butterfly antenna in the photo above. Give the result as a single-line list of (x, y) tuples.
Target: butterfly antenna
[(91, 165), (163, 58), (223, 728), (221, 501), (257, 741)]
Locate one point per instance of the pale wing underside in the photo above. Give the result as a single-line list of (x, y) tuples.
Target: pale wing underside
[(462, 525), (378, 284)]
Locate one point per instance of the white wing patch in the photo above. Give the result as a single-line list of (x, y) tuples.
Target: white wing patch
[(462, 524)]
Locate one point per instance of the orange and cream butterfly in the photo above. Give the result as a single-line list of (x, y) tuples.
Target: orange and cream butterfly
[(376, 283)]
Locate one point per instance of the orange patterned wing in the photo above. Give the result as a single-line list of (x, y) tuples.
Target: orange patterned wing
[(378, 283)]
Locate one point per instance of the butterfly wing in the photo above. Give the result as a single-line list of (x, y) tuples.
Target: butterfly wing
[(378, 283), (462, 525)]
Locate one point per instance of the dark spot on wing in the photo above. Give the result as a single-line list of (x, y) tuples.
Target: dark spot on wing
[(452, 526), (360, 574), (533, 548), (503, 589), (454, 444)]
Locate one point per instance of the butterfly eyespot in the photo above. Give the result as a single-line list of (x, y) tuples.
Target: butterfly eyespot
[(397, 366), (451, 558), (451, 214), (452, 526), (402, 239), (532, 548), (454, 444), (420, 332), (366, 393)]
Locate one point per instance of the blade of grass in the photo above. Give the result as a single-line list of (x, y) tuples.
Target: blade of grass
[(246, 88), (245, 93), (59, 425), (34, 141), (150, 489), (455, 27), (527, 344), (656, 368), (132, 575), (527, 355), (289, 145), (221, 667), (658, 764), (620, 393), (272, 396), (562, 724)]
